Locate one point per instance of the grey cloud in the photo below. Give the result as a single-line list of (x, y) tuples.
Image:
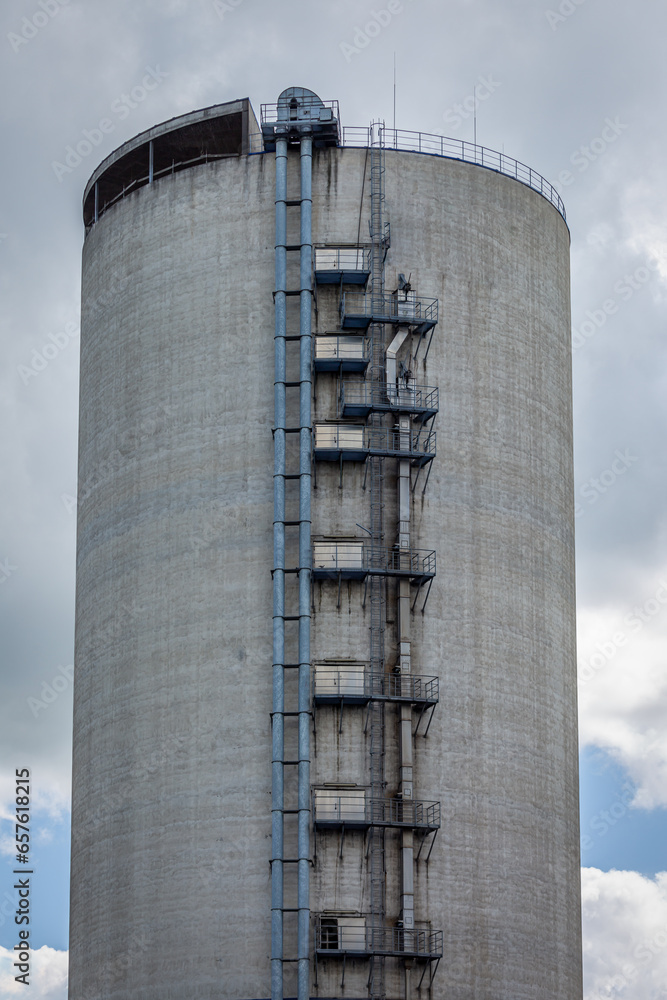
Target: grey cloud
[(558, 89)]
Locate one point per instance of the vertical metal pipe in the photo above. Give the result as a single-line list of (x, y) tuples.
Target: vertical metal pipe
[(278, 744), (305, 435)]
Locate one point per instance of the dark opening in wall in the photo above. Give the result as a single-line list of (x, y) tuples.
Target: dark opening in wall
[(211, 138)]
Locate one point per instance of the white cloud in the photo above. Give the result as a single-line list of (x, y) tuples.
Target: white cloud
[(618, 215), (623, 689), (625, 935), (48, 975)]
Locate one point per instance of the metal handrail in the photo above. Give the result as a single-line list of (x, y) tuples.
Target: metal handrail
[(360, 683), (357, 556), (433, 144), (365, 393), (401, 140), (414, 686), (419, 310), (361, 136), (174, 167), (349, 808), (382, 440), (453, 149), (269, 112), (356, 258), (334, 934), (343, 346)]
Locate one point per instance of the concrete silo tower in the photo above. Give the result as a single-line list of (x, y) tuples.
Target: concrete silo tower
[(325, 703)]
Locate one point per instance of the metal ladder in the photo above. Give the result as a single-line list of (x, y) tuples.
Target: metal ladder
[(377, 583), (282, 521)]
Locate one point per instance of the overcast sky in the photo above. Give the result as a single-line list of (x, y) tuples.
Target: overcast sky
[(575, 89)]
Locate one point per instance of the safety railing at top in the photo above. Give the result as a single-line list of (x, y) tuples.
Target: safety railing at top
[(440, 145), (309, 108), (456, 149)]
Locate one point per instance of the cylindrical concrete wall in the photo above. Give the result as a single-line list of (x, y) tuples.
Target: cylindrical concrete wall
[(172, 749)]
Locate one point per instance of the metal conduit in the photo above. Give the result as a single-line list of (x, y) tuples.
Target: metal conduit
[(305, 451), (304, 569), (278, 738)]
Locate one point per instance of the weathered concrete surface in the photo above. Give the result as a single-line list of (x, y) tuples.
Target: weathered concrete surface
[(501, 755), (172, 728), (173, 670)]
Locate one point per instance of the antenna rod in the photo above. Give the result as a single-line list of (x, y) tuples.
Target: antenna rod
[(474, 118), (394, 97)]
